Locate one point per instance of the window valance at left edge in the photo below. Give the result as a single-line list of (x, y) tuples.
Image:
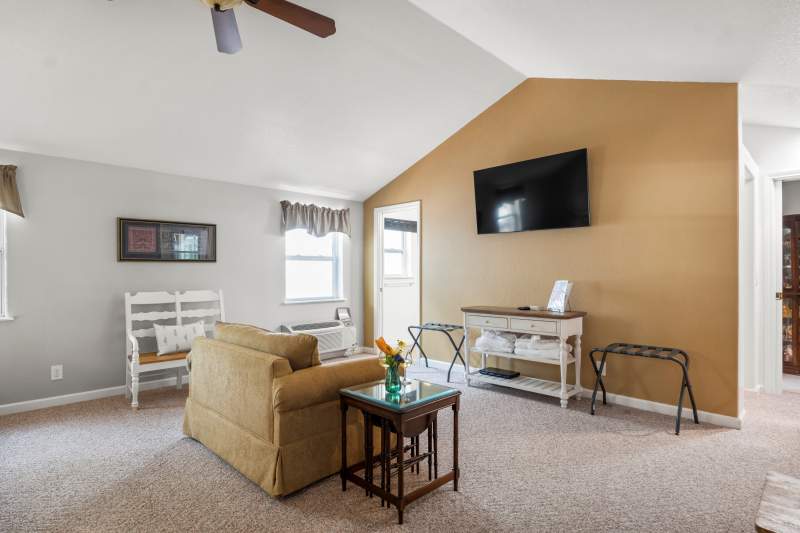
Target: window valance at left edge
[(9, 194), (317, 221)]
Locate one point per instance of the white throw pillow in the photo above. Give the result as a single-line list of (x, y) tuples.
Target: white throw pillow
[(171, 339)]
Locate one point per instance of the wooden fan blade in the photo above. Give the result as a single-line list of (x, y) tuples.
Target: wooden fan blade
[(295, 15)]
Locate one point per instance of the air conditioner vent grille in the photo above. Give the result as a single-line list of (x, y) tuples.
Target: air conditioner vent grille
[(329, 341)]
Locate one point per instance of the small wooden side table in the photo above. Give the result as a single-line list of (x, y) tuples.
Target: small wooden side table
[(779, 511), (407, 414)]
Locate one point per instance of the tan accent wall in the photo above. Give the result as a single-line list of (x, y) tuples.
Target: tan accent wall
[(658, 264)]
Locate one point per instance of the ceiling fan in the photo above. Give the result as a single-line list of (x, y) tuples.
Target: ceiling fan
[(226, 30)]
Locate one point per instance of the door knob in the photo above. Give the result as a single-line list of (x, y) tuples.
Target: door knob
[(779, 296)]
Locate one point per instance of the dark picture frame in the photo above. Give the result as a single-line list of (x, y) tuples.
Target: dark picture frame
[(166, 241)]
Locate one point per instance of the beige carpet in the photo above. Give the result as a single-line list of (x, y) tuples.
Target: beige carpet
[(527, 465)]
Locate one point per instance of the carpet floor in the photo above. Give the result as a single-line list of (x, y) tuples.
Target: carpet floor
[(527, 465)]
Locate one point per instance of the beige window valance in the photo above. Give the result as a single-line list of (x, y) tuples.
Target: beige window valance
[(316, 220), (9, 195)]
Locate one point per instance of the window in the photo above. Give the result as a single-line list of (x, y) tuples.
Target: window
[(313, 266), (3, 286), (396, 257)]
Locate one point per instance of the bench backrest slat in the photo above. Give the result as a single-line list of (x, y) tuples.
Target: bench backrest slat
[(143, 309)]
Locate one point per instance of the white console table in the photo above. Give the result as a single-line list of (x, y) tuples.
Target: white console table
[(545, 323)]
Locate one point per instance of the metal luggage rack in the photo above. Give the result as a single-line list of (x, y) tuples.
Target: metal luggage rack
[(676, 355), (444, 328)]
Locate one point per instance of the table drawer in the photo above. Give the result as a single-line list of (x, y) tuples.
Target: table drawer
[(542, 327), (487, 321)]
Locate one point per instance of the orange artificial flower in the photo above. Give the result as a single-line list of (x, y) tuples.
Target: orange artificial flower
[(383, 346)]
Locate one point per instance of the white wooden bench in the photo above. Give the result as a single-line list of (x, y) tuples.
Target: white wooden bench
[(142, 310)]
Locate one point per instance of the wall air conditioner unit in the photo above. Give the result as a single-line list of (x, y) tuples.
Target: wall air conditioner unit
[(333, 336)]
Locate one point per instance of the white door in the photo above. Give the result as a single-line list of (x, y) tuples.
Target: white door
[(397, 270)]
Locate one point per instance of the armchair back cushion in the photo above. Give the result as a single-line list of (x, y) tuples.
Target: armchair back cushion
[(299, 349)]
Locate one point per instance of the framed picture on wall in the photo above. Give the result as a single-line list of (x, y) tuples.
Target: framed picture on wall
[(159, 240)]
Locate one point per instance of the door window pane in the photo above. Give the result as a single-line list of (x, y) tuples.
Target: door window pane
[(394, 264), (392, 240)]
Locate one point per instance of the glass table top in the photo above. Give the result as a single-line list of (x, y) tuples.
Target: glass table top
[(413, 394)]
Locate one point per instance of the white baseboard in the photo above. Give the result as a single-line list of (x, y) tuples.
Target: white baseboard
[(53, 401), (634, 403)]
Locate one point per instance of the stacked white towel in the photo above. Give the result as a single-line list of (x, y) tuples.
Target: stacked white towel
[(535, 346), (527, 342), (496, 341)]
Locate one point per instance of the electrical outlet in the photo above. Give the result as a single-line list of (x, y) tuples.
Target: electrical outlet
[(56, 372)]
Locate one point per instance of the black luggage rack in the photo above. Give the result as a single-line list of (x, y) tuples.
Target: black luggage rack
[(444, 328), (675, 355)]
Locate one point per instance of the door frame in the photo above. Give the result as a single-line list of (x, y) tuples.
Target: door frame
[(770, 321), (377, 261)]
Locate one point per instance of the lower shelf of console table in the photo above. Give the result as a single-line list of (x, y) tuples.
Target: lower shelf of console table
[(526, 383), (564, 326)]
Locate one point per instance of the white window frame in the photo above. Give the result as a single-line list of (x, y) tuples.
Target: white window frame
[(336, 265), (4, 315)]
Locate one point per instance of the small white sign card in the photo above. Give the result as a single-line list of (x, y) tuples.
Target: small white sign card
[(559, 298)]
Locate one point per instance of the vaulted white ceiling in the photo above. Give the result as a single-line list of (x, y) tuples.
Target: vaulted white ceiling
[(755, 42), (139, 83)]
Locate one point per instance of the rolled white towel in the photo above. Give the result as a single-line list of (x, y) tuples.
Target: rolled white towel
[(541, 345), (493, 341), (544, 354), (527, 339)]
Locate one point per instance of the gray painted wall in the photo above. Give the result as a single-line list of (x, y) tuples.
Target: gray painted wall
[(66, 287)]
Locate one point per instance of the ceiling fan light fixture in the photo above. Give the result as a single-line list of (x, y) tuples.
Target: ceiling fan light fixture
[(226, 31), (224, 5)]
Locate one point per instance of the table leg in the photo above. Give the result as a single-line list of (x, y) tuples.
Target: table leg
[(466, 351), (578, 385), (368, 455), (456, 471), (400, 469), (563, 365), (342, 473), (429, 431), (416, 451), (384, 457), (435, 450)]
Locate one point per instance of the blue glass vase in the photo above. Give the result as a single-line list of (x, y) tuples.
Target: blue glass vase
[(393, 382)]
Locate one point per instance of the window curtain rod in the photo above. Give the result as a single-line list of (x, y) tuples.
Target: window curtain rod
[(9, 195)]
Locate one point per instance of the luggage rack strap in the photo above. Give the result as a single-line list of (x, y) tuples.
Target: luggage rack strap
[(645, 350)]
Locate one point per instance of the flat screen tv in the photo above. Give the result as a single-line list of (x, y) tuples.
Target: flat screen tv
[(543, 193)]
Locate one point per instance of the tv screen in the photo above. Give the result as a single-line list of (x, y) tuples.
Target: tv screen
[(543, 193)]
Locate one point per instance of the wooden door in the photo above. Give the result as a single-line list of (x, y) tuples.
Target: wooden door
[(791, 294)]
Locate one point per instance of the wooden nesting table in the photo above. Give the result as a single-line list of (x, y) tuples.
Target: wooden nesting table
[(407, 414)]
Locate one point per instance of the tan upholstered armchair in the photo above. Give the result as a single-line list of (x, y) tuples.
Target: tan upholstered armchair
[(274, 417)]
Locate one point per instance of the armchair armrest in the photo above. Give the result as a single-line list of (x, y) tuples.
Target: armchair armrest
[(320, 384), (236, 383)]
